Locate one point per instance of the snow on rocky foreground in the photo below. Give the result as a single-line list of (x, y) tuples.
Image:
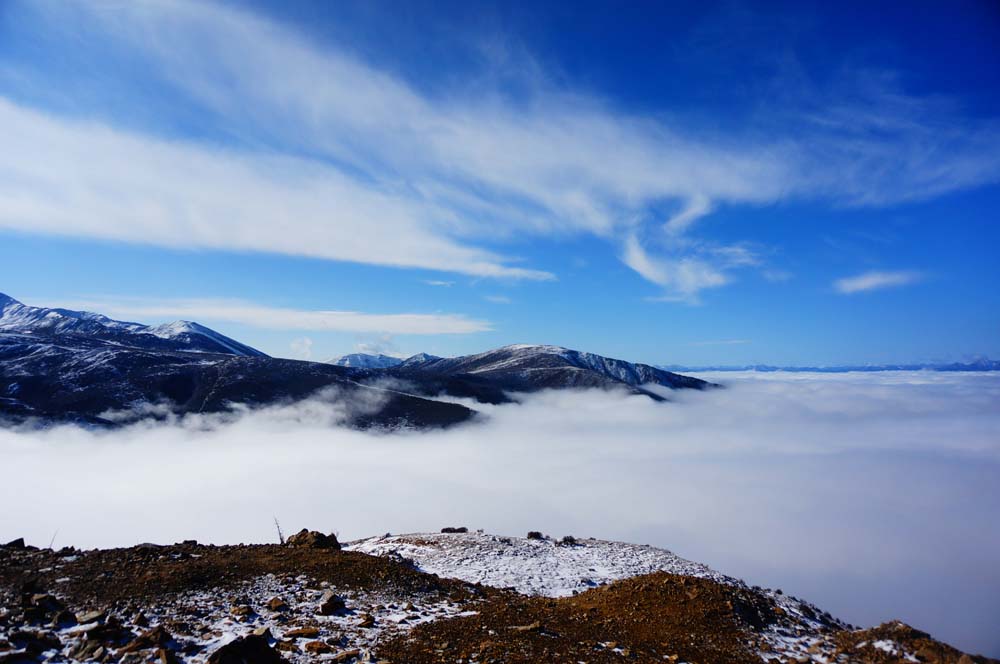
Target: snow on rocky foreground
[(547, 567), (416, 599), (560, 568)]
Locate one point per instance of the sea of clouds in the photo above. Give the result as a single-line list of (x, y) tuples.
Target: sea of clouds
[(876, 496)]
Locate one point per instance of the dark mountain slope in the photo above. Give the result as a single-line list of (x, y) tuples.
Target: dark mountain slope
[(72, 378), (529, 368), (62, 365)]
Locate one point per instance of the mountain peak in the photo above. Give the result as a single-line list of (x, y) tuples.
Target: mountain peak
[(366, 361), (179, 335), (535, 348), (420, 357), (529, 367)]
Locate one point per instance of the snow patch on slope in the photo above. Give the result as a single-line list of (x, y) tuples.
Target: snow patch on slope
[(23, 319), (534, 567), (366, 361)]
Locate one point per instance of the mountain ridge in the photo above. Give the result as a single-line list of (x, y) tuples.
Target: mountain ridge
[(71, 366), (18, 317)]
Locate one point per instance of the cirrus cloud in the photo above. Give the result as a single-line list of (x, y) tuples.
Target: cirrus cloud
[(282, 318), (360, 164), (876, 280)]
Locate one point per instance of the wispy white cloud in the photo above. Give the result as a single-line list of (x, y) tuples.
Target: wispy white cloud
[(279, 318), (876, 280), (682, 278), (396, 176), (439, 282), (696, 208), (74, 178), (497, 299)]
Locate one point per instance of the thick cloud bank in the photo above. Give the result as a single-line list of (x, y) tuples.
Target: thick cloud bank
[(874, 495)]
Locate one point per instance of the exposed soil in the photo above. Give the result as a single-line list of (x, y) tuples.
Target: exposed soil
[(658, 617), (109, 577)]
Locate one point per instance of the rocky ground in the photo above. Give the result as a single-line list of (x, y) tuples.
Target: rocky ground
[(455, 597)]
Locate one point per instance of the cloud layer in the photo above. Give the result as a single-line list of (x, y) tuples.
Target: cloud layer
[(873, 495), (280, 318), (344, 159)]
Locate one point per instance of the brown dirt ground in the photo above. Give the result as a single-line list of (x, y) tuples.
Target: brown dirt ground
[(104, 578), (651, 618)]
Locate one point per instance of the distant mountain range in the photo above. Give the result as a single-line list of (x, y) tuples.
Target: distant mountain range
[(58, 365), (983, 364)]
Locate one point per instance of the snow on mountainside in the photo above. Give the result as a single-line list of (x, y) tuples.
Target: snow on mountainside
[(419, 358), (366, 361), (532, 367), (64, 365), (19, 318)]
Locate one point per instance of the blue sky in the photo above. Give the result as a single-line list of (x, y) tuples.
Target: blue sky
[(719, 184)]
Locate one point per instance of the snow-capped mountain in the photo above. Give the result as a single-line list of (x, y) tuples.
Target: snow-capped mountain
[(57, 364), (530, 367), (419, 358), (179, 335), (366, 361), (60, 365)]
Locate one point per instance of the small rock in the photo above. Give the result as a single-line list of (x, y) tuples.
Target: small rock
[(367, 620), (90, 617), (247, 650), (132, 658), (15, 544), (331, 604), (535, 535), (63, 618), (317, 647), (276, 604), (167, 656), (452, 529), (264, 631), (46, 601), (313, 539), (309, 632), (241, 610), (154, 638), (345, 656)]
